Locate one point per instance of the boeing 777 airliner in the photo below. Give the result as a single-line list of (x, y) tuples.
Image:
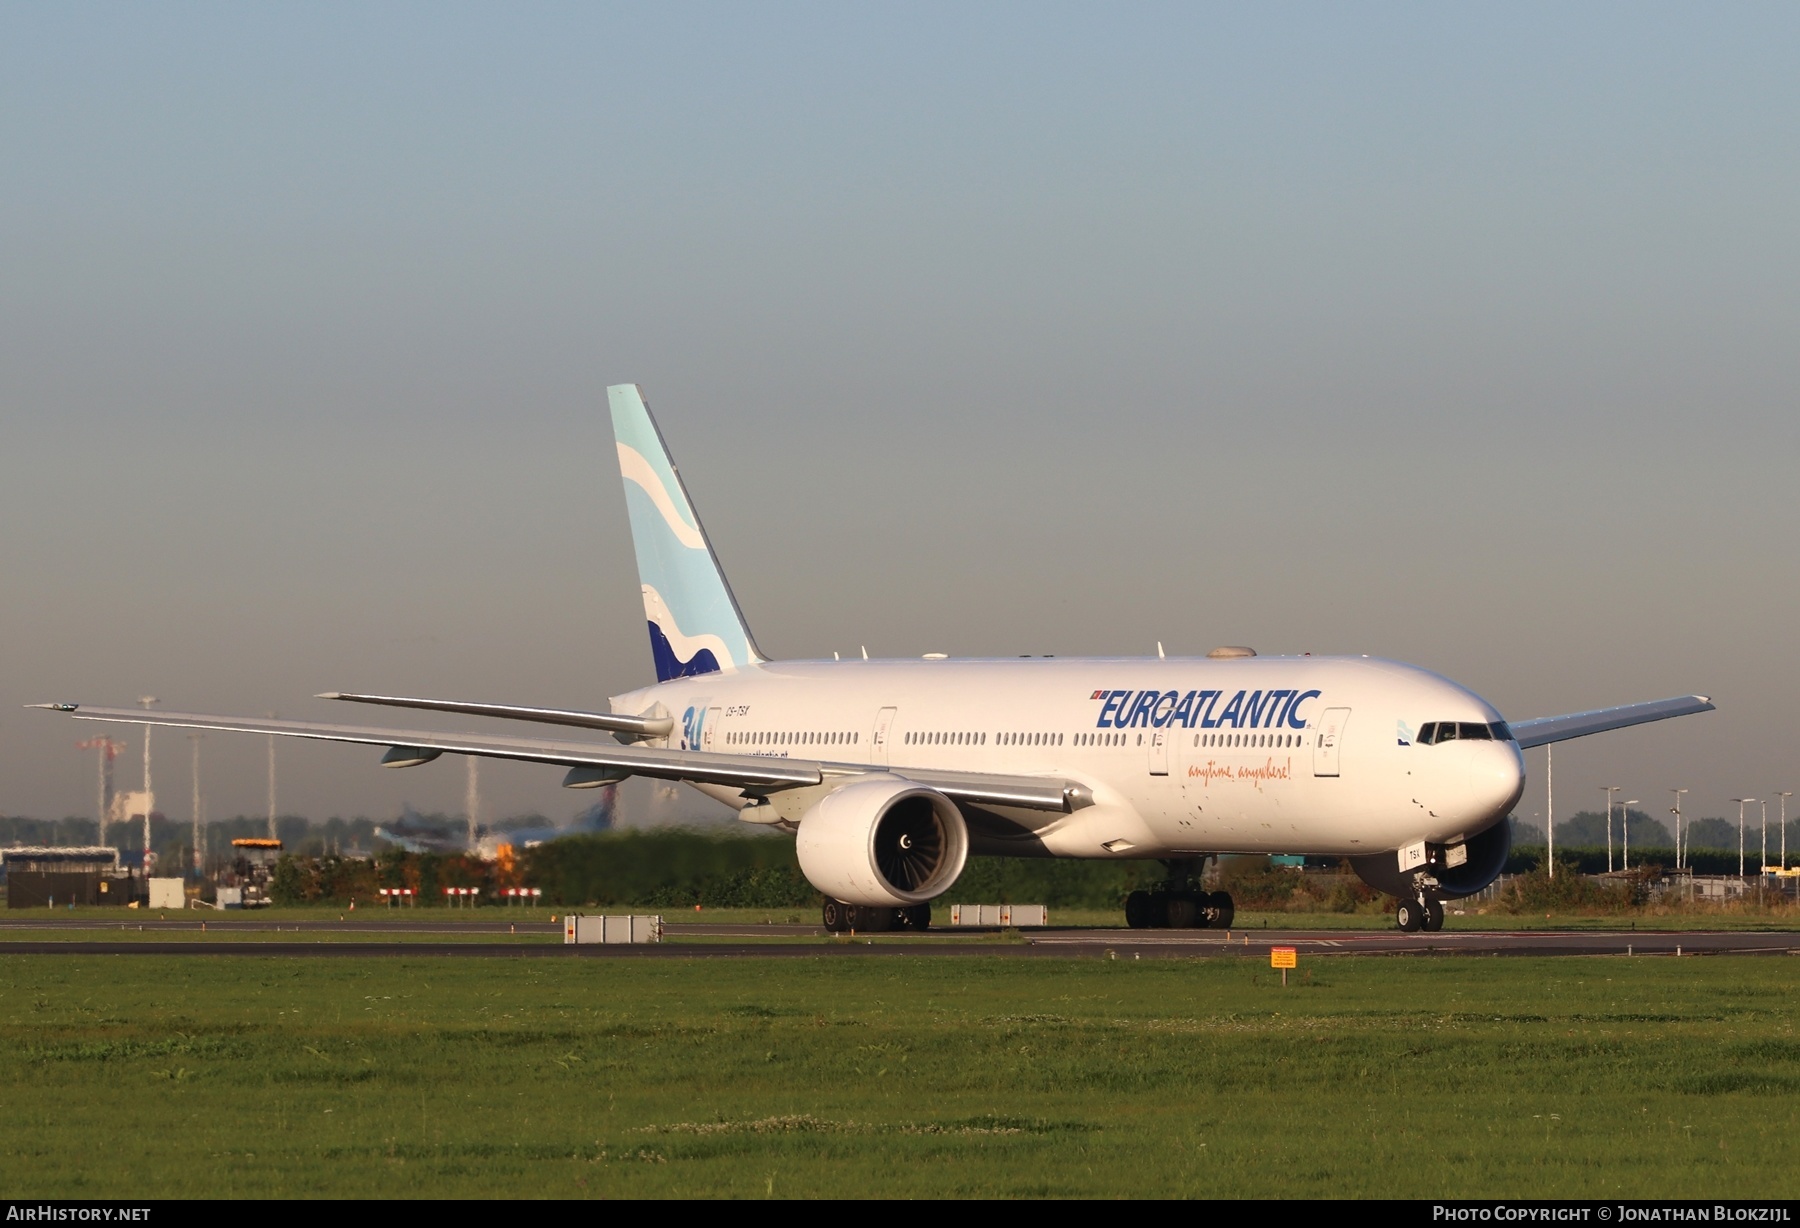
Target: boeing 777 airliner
[(892, 773)]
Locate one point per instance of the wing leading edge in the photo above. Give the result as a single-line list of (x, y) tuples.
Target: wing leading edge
[(755, 774), (1547, 729), (630, 726)]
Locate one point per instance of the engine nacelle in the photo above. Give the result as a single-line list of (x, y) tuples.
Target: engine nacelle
[(1484, 856), (883, 842)]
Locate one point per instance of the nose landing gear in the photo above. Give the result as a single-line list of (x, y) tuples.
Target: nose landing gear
[(1423, 913)]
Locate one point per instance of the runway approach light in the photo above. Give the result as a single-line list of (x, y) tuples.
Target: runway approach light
[(592, 777), (408, 756)]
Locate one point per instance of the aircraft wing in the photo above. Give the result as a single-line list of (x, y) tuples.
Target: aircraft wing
[(756, 774), (1547, 729), (636, 727)]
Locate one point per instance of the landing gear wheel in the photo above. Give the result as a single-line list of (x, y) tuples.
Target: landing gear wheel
[(1180, 912), (1434, 916), (1138, 913), (1220, 910), (871, 920), (918, 917), (1409, 915), (835, 916)]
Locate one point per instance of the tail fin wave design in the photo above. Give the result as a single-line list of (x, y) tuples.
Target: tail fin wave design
[(695, 624)]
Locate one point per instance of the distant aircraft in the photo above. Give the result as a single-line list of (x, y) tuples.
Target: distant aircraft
[(417, 834), (892, 772)]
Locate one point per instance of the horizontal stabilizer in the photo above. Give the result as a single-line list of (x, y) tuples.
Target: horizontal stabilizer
[(1547, 729)]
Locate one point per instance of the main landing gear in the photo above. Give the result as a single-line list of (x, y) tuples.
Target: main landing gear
[(1180, 909), (1180, 902), (1421, 913), (842, 918)]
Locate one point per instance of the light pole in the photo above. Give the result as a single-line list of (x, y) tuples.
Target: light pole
[(144, 702), (1550, 807), (1742, 802), (199, 860), (1784, 797), (1676, 811), (1763, 865), (1610, 790), (1625, 831), (472, 796), (271, 782)]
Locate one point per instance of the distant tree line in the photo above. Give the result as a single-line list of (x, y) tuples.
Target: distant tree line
[(669, 869), (1587, 829), (173, 839)]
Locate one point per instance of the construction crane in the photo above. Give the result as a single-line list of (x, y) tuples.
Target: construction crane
[(109, 750)]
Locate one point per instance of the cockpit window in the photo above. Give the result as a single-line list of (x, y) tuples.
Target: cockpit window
[(1433, 732)]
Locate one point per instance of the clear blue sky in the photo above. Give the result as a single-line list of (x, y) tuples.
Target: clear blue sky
[(1458, 334)]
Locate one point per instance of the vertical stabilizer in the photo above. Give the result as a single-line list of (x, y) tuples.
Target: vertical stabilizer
[(695, 624)]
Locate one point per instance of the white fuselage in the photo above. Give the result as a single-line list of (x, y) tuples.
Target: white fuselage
[(1183, 756)]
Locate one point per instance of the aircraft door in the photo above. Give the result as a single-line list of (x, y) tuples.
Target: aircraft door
[(878, 740), (1327, 737), (1159, 752), (707, 730)]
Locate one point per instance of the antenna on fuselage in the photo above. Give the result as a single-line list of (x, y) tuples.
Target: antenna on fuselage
[(1159, 651), (865, 649)]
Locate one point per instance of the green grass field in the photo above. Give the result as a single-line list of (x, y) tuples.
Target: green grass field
[(145, 1076)]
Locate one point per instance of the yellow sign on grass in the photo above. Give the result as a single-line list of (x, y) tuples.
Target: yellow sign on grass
[(1283, 957)]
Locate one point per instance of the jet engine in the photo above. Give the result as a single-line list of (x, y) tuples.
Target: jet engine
[(1460, 869), (883, 842)]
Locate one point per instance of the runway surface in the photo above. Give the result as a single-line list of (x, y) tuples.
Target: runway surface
[(541, 940)]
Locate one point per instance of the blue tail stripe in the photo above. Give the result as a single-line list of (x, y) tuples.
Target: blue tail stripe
[(668, 665)]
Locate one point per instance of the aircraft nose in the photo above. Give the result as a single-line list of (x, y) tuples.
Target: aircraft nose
[(1497, 779)]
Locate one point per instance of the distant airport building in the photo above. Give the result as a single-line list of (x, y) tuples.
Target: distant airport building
[(55, 877)]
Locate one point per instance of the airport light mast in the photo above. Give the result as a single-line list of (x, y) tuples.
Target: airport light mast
[(1610, 790), (1676, 811), (194, 736), (109, 750), (1550, 807), (1742, 802), (145, 702), (271, 782), (1625, 832), (1784, 797), (472, 796)]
